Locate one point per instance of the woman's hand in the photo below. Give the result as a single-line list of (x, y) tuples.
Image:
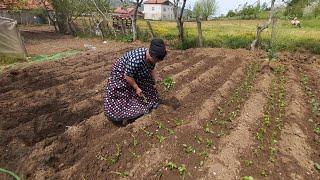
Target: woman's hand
[(139, 92)]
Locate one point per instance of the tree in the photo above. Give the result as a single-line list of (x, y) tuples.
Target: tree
[(255, 43), (206, 8), (316, 9), (264, 7), (15, 5), (197, 10), (231, 13), (178, 16), (295, 7), (134, 19)]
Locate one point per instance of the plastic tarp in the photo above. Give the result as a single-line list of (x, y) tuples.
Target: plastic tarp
[(10, 40)]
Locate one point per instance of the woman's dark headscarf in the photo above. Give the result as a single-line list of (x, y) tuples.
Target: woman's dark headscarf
[(157, 49)]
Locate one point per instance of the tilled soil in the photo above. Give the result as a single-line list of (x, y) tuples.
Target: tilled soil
[(53, 127)]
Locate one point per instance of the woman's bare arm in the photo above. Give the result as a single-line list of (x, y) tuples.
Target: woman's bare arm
[(133, 84)]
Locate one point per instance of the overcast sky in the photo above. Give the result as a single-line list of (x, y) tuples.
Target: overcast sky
[(225, 5)]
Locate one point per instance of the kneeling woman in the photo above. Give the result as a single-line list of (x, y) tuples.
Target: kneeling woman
[(131, 91)]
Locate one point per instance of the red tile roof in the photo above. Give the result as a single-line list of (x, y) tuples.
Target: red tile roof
[(156, 2), (29, 4)]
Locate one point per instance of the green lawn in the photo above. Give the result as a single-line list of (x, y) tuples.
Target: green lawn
[(240, 33)]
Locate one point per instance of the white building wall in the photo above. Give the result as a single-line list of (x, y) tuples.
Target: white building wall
[(167, 12), (152, 11), (158, 12)]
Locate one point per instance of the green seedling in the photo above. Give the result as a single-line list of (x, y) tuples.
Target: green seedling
[(188, 149), (135, 141), (317, 166), (179, 122), (161, 138), (114, 158), (171, 166), (221, 133), (220, 110), (248, 163), (135, 155), (207, 128), (314, 105), (182, 170), (272, 151), (317, 130), (204, 154), (122, 174), (198, 139), (148, 133), (160, 125), (209, 143), (247, 178), (264, 173), (201, 163), (168, 83), (171, 131)]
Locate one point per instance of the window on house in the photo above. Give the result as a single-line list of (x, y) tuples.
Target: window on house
[(152, 8), (164, 9)]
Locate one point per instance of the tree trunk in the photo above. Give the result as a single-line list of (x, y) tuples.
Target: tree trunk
[(181, 30), (179, 19), (134, 29), (134, 20), (255, 43), (62, 22), (104, 17), (150, 28), (200, 37)]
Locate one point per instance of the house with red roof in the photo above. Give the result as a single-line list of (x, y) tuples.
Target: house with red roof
[(158, 10), (122, 12), (28, 11)]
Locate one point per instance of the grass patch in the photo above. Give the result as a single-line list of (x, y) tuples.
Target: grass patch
[(55, 56), (239, 34)]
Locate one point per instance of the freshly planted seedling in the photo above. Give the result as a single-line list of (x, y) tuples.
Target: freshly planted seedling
[(248, 162), (247, 178), (209, 143), (160, 125), (122, 174), (198, 139), (168, 83), (171, 166), (204, 154), (135, 155), (264, 173), (148, 133), (135, 140), (182, 170), (171, 131), (188, 149), (112, 159), (221, 133), (161, 138), (207, 128), (317, 130), (179, 122), (317, 166)]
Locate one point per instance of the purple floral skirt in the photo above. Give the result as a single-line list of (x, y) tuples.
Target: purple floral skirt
[(120, 100)]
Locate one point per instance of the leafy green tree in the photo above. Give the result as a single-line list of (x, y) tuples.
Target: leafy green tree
[(203, 9), (295, 7), (231, 13)]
